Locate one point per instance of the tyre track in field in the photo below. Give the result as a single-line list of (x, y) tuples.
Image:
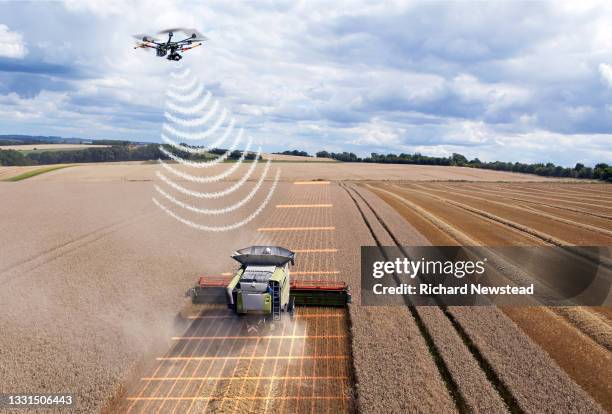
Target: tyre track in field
[(556, 196), (504, 195), (548, 199), (545, 237), (566, 345), (592, 190), (34, 262), (590, 323), (470, 380), (528, 210), (298, 364), (559, 192)]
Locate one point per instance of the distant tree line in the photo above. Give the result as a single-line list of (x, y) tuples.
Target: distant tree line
[(601, 171), (110, 142), (235, 154), (294, 152), (106, 154)]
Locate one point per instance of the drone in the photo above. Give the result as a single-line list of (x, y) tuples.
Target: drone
[(172, 49)]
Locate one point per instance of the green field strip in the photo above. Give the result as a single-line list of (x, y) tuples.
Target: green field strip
[(36, 172)]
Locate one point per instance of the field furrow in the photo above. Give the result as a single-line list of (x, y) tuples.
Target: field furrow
[(436, 219)]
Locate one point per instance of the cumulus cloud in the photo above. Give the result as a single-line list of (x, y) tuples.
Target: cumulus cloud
[(11, 44), (605, 70), (434, 77)]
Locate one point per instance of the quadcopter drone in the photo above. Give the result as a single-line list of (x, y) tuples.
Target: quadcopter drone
[(172, 49)]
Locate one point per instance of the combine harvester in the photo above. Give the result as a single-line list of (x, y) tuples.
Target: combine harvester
[(263, 285)]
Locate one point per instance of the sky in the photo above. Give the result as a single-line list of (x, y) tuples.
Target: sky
[(510, 81)]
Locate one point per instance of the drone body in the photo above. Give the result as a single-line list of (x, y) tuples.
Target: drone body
[(172, 50)]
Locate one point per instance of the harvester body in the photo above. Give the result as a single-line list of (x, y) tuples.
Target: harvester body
[(263, 284)]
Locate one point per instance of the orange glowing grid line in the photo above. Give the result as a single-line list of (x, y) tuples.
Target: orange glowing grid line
[(314, 364), (193, 352), (287, 367), (231, 379), (265, 357), (299, 390), (311, 315), (143, 389), (262, 365), (275, 377), (214, 387), (316, 397), (168, 370), (278, 351), (197, 338), (247, 371), (347, 382), (207, 372)]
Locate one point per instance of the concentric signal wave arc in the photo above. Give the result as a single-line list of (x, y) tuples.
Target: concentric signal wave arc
[(194, 109), (189, 117), (227, 227)]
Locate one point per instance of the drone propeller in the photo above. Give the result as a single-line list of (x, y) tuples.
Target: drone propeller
[(184, 49), (193, 34), (144, 38), (144, 46)]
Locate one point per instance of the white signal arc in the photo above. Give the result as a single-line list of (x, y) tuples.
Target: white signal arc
[(219, 211), (214, 144), (230, 226), (198, 194), (194, 121), (184, 87), (187, 106), (181, 75), (201, 150), (214, 178), (194, 109), (197, 136), (203, 164), (191, 96)]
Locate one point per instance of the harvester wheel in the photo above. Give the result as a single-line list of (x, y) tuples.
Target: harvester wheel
[(291, 305)]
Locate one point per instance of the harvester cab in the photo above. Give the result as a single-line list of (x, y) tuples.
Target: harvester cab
[(263, 284)]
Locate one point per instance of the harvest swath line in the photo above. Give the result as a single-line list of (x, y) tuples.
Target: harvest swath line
[(314, 368), (287, 367), (278, 351), (281, 377), (264, 357), (207, 372), (299, 316), (248, 370), (200, 370), (232, 378), (450, 382), (324, 228), (195, 349), (304, 205), (157, 369), (260, 368), (311, 182), (197, 338), (318, 397), (214, 387)]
